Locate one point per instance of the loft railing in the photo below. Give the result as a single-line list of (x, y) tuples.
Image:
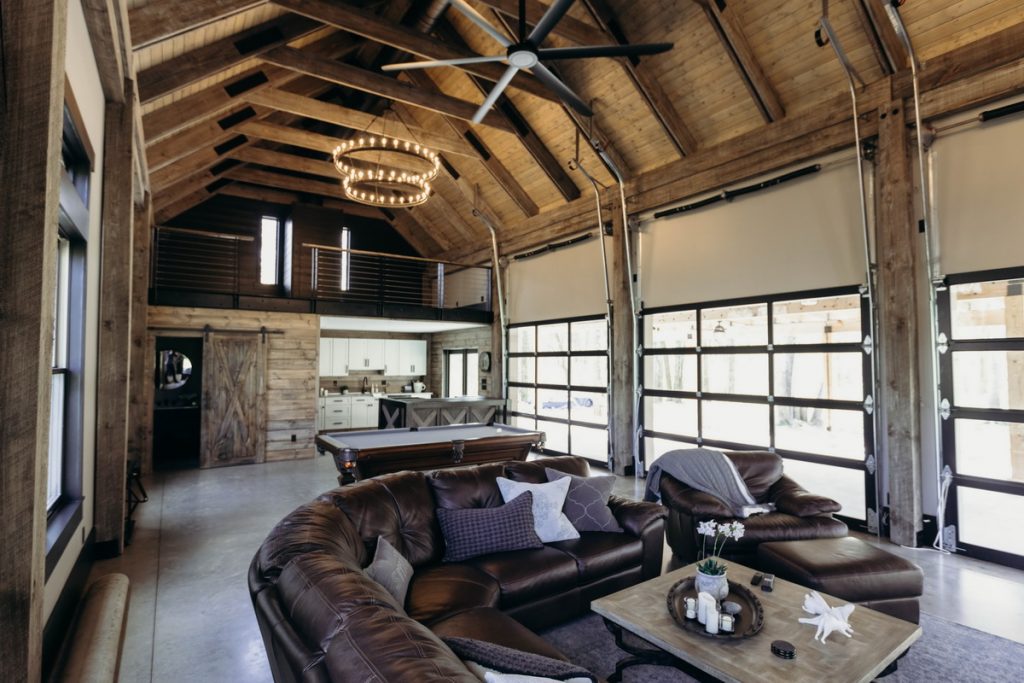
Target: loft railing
[(368, 277), (197, 260)]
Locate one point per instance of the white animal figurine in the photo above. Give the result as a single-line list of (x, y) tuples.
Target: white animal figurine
[(828, 619)]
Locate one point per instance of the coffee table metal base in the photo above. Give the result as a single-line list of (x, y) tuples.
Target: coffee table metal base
[(649, 656)]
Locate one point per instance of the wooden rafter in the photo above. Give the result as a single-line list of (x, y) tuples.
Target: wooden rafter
[(734, 40), (882, 37), (338, 115), (206, 61), (403, 221), (284, 160), (382, 86), (657, 99), (369, 25), (158, 21), (569, 27), (105, 33)]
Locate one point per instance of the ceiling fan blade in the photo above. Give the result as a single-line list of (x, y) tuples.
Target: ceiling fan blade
[(427, 64), (495, 93), (549, 79), (547, 22), (603, 51), (480, 21)]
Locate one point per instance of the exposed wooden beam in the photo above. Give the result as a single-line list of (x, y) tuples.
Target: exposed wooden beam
[(140, 362), (33, 42), (309, 107), (203, 62), (287, 135), (882, 36), (508, 182), (569, 27), (394, 11), (226, 97), (115, 308), (382, 86), (324, 188), (158, 21), (290, 162), (181, 205), (258, 193), (657, 99), (209, 133), (425, 242), (367, 24), (734, 40), (186, 187), (106, 36), (553, 169)]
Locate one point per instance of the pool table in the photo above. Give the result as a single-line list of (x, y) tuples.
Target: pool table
[(359, 455)]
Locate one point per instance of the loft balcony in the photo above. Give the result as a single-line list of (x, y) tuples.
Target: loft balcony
[(222, 270)]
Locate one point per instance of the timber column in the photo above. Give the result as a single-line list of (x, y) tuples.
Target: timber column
[(620, 360), (31, 117), (896, 242)]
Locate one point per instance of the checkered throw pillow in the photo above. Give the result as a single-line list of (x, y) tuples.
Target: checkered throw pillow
[(477, 531)]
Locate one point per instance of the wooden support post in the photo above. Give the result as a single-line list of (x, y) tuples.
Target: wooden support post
[(896, 239), (33, 42), (620, 358), (139, 362), (115, 326)]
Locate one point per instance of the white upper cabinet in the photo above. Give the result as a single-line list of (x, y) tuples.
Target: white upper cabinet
[(340, 357), (392, 357), (326, 356), (365, 354), (412, 357)]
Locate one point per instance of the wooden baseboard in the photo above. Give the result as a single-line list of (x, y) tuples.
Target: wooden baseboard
[(63, 615)]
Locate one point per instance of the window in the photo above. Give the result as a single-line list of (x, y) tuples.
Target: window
[(270, 250), (462, 372), (558, 384), (58, 377), (982, 381), (346, 259), (783, 373)]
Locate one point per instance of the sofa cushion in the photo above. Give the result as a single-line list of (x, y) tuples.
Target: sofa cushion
[(494, 626), (759, 469), (524, 575), (442, 589), (492, 657), (532, 471), (478, 531), (467, 487), (778, 526), (390, 570), (549, 521), (586, 503), (599, 554)]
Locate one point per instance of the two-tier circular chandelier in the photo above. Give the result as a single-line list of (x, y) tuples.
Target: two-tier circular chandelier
[(381, 170)]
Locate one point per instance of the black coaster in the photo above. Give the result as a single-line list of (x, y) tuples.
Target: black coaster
[(784, 649)]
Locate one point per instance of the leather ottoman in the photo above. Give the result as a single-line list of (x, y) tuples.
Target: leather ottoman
[(850, 569)]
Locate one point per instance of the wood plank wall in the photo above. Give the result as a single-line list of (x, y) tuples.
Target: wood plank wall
[(479, 338), (291, 368)]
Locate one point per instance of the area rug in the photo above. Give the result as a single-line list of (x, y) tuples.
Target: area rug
[(946, 652)]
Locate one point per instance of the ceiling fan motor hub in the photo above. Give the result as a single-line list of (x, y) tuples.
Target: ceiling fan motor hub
[(523, 55)]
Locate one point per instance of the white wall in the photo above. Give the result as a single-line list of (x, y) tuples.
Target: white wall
[(801, 235), (564, 283), (83, 76)]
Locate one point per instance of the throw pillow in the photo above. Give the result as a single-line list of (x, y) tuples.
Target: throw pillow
[(586, 504), (549, 521), (515, 665), (391, 570), (470, 532)]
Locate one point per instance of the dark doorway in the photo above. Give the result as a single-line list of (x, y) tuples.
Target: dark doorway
[(177, 409)]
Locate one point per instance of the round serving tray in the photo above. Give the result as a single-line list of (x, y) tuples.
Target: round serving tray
[(748, 622)]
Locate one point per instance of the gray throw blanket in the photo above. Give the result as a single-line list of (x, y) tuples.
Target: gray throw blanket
[(707, 470)]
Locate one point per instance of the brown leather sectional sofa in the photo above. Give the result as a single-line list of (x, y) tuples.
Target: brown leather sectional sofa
[(323, 619)]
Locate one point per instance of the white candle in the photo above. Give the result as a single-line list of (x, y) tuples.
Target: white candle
[(711, 625), (704, 602)]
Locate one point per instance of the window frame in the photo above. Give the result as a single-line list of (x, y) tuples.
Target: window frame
[(449, 354), (569, 388), (948, 424), (771, 400), (278, 250)]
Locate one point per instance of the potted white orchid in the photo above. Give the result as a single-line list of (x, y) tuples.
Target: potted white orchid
[(711, 572)]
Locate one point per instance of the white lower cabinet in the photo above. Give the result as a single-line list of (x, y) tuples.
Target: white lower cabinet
[(347, 412), (337, 413), (364, 412)]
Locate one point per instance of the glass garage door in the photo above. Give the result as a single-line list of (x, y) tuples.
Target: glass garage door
[(982, 322), (783, 373)]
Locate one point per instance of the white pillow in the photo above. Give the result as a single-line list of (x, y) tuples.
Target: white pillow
[(492, 676), (549, 521)]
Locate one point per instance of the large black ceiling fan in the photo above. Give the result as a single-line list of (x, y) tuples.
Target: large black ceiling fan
[(527, 54)]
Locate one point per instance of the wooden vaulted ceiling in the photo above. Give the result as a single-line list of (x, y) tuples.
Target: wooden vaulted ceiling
[(247, 97)]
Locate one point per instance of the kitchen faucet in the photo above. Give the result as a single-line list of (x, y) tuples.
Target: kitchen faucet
[(366, 384)]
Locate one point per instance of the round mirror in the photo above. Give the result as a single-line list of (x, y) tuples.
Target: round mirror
[(175, 370)]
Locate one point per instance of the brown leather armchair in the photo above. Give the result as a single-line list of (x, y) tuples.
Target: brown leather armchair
[(799, 515)]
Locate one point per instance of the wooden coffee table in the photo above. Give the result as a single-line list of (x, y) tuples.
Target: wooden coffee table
[(641, 610)]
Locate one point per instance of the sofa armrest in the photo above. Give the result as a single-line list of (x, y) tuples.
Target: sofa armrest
[(635, 516), (793, 499), (692, 502)]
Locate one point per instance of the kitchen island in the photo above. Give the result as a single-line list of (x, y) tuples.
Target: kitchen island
[(403, 411)]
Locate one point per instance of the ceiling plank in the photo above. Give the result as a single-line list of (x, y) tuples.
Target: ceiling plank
[(657, 99), (210, 132), (287, 135), (225, 97), (258, 193), (504, 106), (291, 162), (180, 206), (569, 27), (394, 11), (734, 40), (367, 24), (426, 242), (203, 62), (382, 86), (158, 21), (309, 107)]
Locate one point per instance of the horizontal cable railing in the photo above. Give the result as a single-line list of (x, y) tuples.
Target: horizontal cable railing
[(355, 276), (197, 260)]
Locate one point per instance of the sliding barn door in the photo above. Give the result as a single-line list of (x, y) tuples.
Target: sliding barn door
[(234, 400)]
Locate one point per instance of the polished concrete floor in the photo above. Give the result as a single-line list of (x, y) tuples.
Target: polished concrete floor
[(190, 617)]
